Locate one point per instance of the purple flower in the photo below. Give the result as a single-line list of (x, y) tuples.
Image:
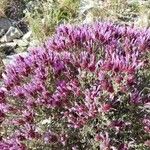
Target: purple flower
[(12, 144), (82, 78)]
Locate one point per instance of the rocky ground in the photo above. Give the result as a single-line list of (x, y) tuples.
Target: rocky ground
[(12, 40), (14, 36)]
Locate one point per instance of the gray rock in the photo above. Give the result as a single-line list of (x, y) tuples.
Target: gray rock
[(6, 61), (34, 43), (10, 44), (11, 59), (27, 36), (21, 42), (23, 54), (2, 32), (88, 5), (5, 23), (11, 34), (87, 9), (7, 48)]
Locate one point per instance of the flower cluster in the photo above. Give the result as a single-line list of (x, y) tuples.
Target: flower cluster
[(85, 88)]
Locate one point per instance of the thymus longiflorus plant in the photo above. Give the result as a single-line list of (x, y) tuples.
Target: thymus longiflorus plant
[(87, 87)]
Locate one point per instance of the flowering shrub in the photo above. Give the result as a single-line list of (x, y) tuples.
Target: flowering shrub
[(85, 88)]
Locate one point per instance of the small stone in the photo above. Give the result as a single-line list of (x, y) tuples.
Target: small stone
[(5, 23), (23, 54), (6, 61), (34, 43), (142, 21), (2, 32), (21, 43), (27, 36), (10, 44), (11, 34), (7, 48), (10, 59), (20, 49)]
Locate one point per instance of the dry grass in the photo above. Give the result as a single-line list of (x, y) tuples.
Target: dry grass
[(3, 5), (50, 14), (122, 11)]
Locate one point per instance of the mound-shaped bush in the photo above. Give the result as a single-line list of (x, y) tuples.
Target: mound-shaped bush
[(86, 88)]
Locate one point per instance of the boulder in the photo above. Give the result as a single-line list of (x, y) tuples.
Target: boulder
[(11, 34)]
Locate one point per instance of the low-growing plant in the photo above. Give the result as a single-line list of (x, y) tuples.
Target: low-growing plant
[(86, 88)]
